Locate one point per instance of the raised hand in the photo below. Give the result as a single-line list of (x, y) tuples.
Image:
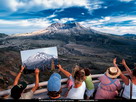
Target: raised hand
[(22, 68), (18, 75), (123, 62), (36, 80), (37, 71), (64, 71), (59, 66), (114, 60)]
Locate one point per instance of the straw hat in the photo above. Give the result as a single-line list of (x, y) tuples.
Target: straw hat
[(113, 72)]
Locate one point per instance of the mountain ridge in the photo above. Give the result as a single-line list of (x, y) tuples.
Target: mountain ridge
[(58, 28), (38, 60)]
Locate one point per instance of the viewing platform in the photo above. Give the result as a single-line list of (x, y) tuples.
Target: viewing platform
[(41, 93)]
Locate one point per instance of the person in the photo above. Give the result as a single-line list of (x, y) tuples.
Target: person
[(69, 81), (18, 89), (89, 83), (109, 84), (54, 87), (129, 93), (78, 88)]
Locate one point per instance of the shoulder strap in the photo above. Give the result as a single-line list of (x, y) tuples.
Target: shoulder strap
[(122, 91), (131, 89), (116, 85), (112, 81)]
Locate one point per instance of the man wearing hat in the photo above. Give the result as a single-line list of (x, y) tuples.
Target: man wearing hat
[(17, 90), (109, 84), (54, 86)]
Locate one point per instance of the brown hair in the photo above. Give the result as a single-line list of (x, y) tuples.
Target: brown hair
[(87, 72), (76, 68), (79, 75), (54, 93)]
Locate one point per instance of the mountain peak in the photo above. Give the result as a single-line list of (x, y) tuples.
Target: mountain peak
[(64, 26)]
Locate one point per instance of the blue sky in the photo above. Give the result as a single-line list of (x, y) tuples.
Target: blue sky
[(110, 16)]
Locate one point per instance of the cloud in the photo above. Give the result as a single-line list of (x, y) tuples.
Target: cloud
[(96, 22), (126, 0), (51, 16), (23, 26), (7, 7), (113, 24), (110, 19), (122, 18), (105, 7), (25, 23), (55, 13), (38, 5), (83, 13), (118, 30), (63, 20)]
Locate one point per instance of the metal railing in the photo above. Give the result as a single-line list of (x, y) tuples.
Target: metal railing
[(7, 92)]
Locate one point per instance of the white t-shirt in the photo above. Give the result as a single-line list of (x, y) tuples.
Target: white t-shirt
[(76, 93), (126, 93), (27, 95)]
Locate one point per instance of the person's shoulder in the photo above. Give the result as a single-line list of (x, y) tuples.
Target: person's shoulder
[(27, 95), (29, 92), (83, 84), (89, 77), (103, 77), (117, 80), (70, 77)]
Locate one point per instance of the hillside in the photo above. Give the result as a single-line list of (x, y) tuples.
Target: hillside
[(130, 36), (2, 35)]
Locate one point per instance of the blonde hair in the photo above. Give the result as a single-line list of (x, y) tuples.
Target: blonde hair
[(76, 68)]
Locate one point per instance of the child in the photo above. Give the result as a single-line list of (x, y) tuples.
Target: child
[(17, 91), (70, 82), (89, 83), (78, 87)]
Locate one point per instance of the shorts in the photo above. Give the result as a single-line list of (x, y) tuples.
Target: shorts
[(89, 92)]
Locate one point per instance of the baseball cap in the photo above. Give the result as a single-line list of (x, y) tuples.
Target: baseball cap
[(18, 89), (54, 82)]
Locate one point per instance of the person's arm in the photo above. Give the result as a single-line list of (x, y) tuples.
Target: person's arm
[(18, 76), (123, 77), (36, 80), (64, 71), (126, 67)]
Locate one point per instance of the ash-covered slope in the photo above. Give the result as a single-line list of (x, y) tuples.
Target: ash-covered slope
[(55, 28), (74, 32)]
